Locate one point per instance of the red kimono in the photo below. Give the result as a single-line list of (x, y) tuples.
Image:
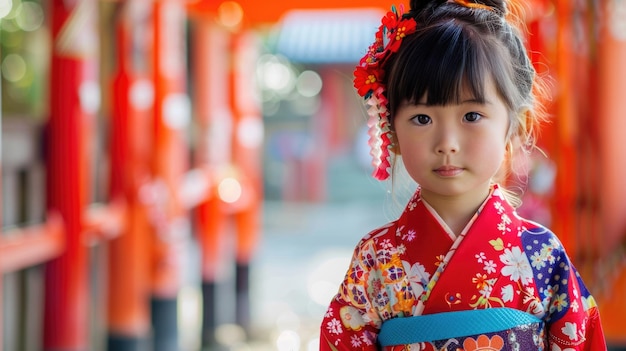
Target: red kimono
[(415, 266)]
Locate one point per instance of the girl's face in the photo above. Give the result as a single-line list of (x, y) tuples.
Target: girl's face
[(453, 151)]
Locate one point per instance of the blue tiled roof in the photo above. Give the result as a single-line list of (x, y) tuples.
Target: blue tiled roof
[(327, 36)]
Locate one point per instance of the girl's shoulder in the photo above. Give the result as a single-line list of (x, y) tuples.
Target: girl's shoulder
[(539, 241), (531, 230), (385, 232)]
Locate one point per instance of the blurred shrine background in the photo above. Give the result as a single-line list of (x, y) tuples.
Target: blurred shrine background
[(169, 167)]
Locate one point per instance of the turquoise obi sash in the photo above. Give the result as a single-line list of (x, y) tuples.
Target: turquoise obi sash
[(447, 325)]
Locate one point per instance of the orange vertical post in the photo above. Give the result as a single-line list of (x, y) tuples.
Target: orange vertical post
[(247, 142), (129, 325), (610, 111), (612, 76), (582, 90), (169, 164), (563, 150), (537, 202), (73, 98), (213, 151)]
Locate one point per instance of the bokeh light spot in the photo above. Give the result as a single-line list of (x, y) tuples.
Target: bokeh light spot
[(5, 7), (230, 13), (13, 67), (229, 190), (288, 340), (30, 16), (309, 83)]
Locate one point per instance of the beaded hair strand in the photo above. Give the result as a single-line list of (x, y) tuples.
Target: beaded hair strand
[(368, 77)]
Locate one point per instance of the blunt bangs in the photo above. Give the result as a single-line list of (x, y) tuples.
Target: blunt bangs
[(424, 65)]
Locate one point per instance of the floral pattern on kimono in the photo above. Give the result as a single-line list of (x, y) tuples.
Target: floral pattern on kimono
[(415, 266)]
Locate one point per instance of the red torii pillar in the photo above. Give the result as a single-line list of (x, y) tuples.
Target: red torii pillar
[(169, 164), (213, 152), (611, 87), (564, 150), (612, 168), (231, 134), (129, 324), (588, 213), (73, 91), (247, 140)]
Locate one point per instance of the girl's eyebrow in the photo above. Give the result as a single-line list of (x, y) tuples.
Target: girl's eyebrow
[(466, 101), (476, 101), (412, 103)]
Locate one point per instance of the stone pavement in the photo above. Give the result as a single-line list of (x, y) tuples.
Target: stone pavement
[(302, 258), (301, 262)]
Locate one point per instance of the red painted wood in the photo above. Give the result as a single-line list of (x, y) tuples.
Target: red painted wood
[(170, 153), (73, 76), (29, 246)]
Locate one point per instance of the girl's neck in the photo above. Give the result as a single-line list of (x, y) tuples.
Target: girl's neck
[(456, 211)]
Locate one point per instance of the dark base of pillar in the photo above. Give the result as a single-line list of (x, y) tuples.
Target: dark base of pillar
[(616, 348), (242, 289), (165, 324), (209, 318), (127, 343)]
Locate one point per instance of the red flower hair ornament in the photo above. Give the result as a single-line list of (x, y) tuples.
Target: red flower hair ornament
[(368, 77)]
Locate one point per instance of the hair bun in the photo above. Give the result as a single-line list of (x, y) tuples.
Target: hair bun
[(420, 5), (498, 5)]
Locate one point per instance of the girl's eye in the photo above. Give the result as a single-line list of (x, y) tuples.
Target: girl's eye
[(421, 120), (472, 117)]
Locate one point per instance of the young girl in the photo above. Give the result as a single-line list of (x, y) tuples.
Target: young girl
[(450, 91)]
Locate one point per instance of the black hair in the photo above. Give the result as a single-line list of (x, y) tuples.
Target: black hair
[(456, 47)]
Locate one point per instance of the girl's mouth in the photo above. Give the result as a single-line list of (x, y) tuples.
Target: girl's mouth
[(448, 171)]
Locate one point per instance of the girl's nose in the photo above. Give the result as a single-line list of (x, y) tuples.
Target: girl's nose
[(448, 142), (447, 150)]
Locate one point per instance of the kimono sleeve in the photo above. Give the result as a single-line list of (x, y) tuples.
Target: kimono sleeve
[(351, 322), (573, 320)]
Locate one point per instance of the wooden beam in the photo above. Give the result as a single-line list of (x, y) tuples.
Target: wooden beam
[(29, 246), (259, 13)]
